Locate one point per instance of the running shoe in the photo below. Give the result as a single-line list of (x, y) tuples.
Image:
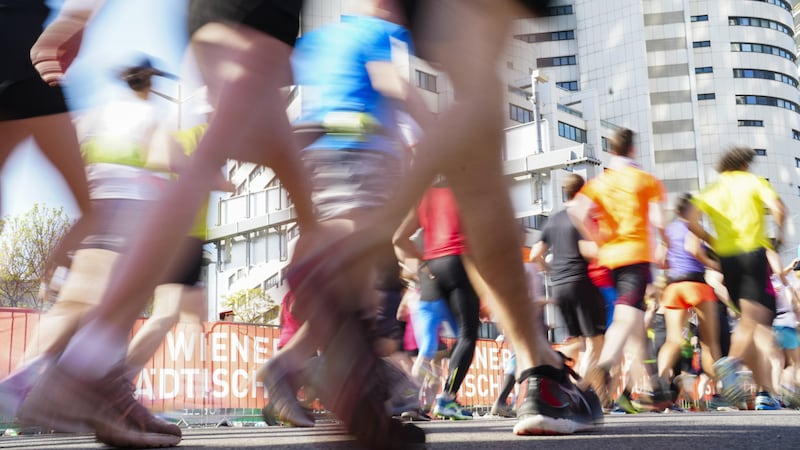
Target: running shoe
[(62, 402), (766, 402), (718, 403), (625, 403), (415, 415), (727, 373), (502, 410), (790, 396), (450, 409), (283, 396), (553, 405)]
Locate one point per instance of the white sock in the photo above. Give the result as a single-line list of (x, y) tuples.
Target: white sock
[(94, 350)]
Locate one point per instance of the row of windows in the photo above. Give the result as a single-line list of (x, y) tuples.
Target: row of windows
[(709, 96), (764, 74), (782, 3), (796, 135), (556, 61), (546, 37), (572, 133), (700, 44), (751, 123), (762, 48), (521, 115), (767, 101), (758, 22), (568, 85), (563, 10), (700, 18), (704, 69)]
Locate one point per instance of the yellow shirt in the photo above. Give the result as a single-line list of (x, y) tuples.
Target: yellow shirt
[(623, 198), (189, 139), (736, 204)]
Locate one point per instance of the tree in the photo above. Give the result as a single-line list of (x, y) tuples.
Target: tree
[(26, 241), (253, 306)]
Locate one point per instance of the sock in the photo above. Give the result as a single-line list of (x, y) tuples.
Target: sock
[(94, 351), (508, 385)]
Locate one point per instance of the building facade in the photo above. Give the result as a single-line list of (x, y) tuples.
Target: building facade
[(690, 77)]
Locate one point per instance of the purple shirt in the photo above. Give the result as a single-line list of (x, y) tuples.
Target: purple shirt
[(681, 263)]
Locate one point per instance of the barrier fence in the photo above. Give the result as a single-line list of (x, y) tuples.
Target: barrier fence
[(209, 369), (206, 372)]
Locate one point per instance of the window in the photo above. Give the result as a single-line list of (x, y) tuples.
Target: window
[(764, 100), (604, 144), (710, 96), (426, 81), (749, 47), (556, 61), (760, 151), (701, 18), (766, 75), (751, 123), (781, 3), (521, 115), (564, 10), (571, 132), (796, 135), (758, 22), (797, 162), (272, 282), (568, 85), (536, 222), (700, 44), (562, 35), (704, 70)]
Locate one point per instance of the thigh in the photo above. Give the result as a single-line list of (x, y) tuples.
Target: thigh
[(631, 283)]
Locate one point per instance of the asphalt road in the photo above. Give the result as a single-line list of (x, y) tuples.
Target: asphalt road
[(766, 430)]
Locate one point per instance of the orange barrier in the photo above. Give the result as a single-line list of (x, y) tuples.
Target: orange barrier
[(213, 367)]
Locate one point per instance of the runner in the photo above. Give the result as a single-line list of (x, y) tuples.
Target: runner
[(627, 200), (735, 204)]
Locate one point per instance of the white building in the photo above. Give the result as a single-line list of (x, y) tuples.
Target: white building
[(690, 77)]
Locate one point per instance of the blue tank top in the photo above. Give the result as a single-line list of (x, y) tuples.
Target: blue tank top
[(681, 263)]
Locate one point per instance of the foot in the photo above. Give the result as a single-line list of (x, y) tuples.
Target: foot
[(415, 416), (62, 402), (767, 402), (283, 396), (448, 408), (553, 405), (727, 370), (502, 410)]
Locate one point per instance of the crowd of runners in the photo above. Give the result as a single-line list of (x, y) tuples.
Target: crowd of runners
[(367, 165)]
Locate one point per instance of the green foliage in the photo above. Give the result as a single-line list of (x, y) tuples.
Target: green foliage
[(26, 241), (253, 306)]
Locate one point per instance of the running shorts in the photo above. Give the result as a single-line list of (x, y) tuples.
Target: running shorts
[(277, 18)]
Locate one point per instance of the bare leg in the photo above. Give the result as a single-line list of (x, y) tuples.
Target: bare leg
[(756, 323), (708, 318), (675, 320)]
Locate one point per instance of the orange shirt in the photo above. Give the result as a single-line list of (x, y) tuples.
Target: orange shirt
[(623, 198)]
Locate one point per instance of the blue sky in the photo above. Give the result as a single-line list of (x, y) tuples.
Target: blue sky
[(122, 32)]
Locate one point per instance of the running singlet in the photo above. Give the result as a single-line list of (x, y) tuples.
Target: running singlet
[(330, 65), (623, 197), (441, 227), (735, 204)]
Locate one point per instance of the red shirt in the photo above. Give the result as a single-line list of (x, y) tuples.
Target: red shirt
[(441, 227)]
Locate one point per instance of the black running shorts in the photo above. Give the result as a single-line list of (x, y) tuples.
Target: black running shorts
[(277, 18)]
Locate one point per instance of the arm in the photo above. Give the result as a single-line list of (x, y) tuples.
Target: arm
[(59, 43), (580, 215), (694, 246), (537, 255), (404, 247), (387, 80), (693, 216), (658, 222)]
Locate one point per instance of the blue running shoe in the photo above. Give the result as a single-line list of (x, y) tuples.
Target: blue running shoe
[(766, 402), (450, 409), (732, 389)]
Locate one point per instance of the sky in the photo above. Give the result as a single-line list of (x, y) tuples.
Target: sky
[(119, 35)]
